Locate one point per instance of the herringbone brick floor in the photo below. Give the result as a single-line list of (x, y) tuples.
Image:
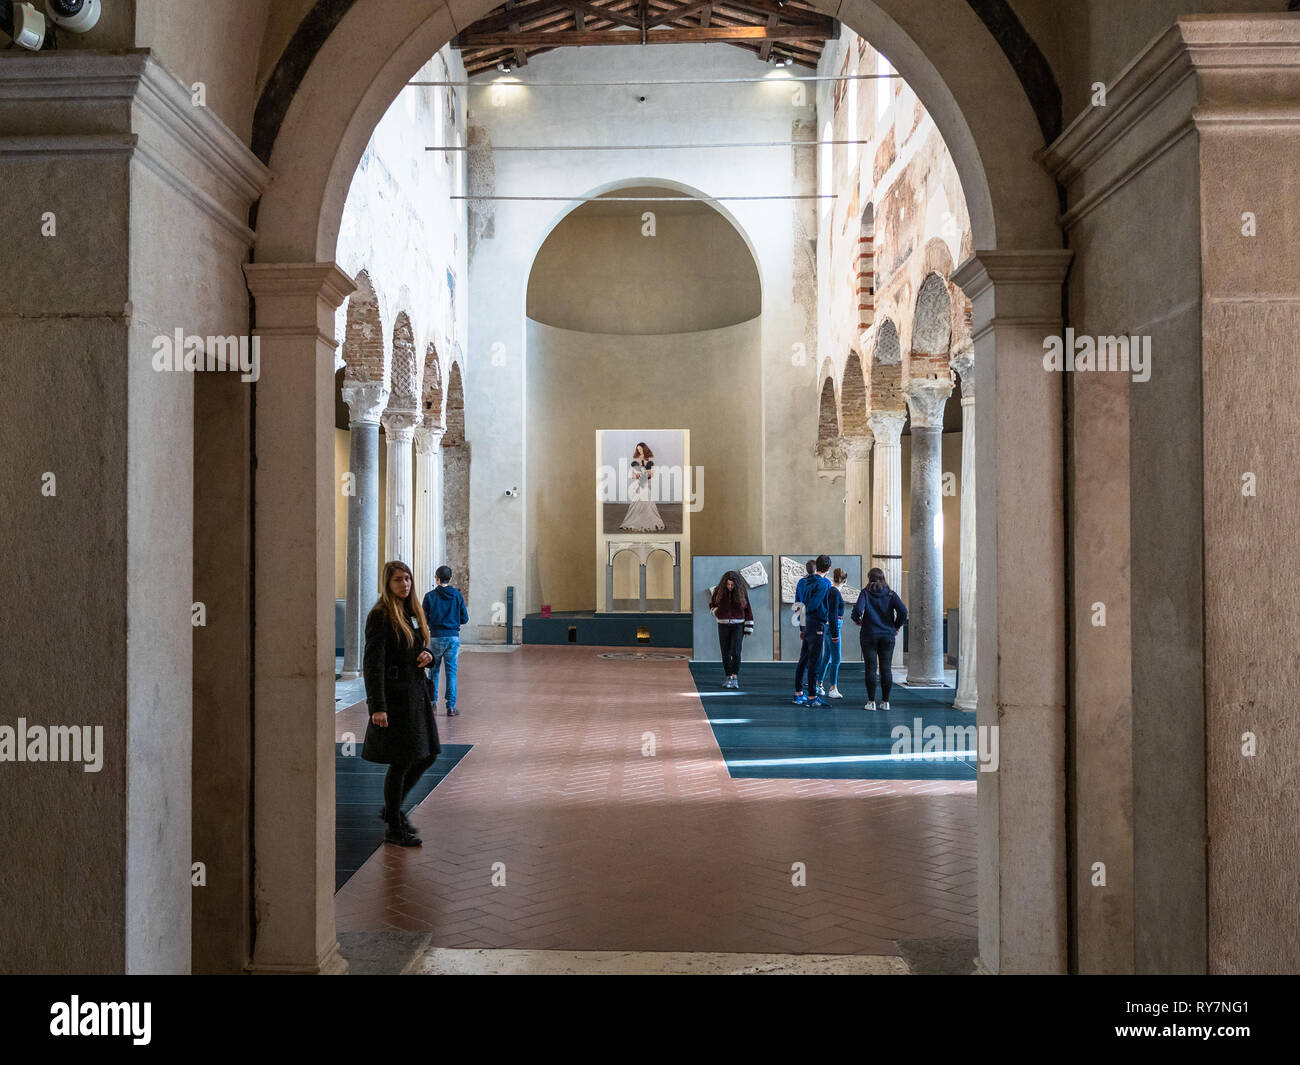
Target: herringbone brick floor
[(603, 846)]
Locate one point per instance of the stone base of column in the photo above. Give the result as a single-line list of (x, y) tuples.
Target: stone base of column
[(348, 675), (331, 963)]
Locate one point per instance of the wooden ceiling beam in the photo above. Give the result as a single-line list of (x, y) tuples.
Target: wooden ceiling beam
[(601, 12), (677, 35)]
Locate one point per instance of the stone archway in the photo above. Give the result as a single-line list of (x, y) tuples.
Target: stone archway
[(992, 129)]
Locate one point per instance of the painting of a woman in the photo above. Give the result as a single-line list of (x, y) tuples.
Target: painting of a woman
[(642, 515)]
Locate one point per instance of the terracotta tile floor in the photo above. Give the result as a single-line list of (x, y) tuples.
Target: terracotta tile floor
[(605, 848)]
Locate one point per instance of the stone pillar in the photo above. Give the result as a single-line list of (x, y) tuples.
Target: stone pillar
[(365, 400), (887, 503), (293, 694), (857, 494), (925, 401), (428, 505), (399, 430), (967, 688), (1016, 296)]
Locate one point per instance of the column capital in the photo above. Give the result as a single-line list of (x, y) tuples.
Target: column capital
[(925, 400), (400, 424), (428, 437), (365, 400), (887, 426), (857, 447), (325, 281), (963, 364)]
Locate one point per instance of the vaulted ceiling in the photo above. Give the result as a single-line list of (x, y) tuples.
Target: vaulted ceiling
[(771, 29)]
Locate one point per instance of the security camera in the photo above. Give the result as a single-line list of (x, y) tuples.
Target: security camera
[(28, 27), (75, 16), (512, 492)]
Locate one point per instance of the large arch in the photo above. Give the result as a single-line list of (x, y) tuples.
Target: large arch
[(993, 118), (945, 51)]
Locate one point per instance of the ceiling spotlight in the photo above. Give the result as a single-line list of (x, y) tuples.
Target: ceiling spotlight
[(504, 66)]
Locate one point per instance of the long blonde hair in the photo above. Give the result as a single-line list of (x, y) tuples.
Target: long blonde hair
[(398, 609)]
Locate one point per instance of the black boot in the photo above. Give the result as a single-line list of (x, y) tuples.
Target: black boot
[(405, 821)]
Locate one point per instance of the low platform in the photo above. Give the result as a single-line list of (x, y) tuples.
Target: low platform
[(597, 629)]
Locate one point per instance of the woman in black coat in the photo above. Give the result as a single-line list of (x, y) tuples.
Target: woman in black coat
[(401, 733)]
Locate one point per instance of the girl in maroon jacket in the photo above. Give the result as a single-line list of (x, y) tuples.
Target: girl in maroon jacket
[(730, 605)]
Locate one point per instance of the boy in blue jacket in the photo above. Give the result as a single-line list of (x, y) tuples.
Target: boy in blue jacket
[(814, 594), (444, 610)]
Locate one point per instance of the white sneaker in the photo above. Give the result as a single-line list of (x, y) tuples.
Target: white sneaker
[(835, 693), (821, 690), (884, 706), (869, 706)]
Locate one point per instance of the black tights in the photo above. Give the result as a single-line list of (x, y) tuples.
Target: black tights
[(399, 781)]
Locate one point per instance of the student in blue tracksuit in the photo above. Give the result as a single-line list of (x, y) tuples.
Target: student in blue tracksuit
[(444, 609), (820, 623), (881, 614)]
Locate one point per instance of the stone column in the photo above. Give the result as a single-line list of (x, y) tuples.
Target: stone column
[(293, 596), (967, 688), (428, 505), (925, 401), (1021, 601), (857, 494), (887, 503), (365, 400), (399, 430)]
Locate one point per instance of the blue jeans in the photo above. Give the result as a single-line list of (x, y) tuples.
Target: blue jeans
[(444, 650), (831, 669)]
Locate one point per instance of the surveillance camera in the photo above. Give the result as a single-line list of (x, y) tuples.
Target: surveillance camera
[(29, 27), (512, 492), (76, 16)]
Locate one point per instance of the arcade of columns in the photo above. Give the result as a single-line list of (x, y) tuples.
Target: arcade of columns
[(873, 520), (413, 431)]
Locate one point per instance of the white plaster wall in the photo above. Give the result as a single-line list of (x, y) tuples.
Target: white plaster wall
[(400, 223), (933, 205), (505, 236)]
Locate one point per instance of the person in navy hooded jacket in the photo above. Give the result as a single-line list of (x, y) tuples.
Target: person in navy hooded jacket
[(815, 605), (881, 614), (444, 610)]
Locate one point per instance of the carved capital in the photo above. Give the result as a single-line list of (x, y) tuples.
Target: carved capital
[(925, 400), (400, 424), (365, 400), (857, 448), (887, 426), (428, 437), (963, 364)]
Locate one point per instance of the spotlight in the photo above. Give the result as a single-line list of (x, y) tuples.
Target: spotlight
[(504, 66)]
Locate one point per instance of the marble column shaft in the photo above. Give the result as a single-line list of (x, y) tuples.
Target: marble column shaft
[(365, 400), (857, 495), (926, 400), (428, 504), (967, 687), (887, 503), (399, 540)]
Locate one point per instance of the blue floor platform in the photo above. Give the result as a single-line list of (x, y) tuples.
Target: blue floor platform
[(359, 796), (762, 735)]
